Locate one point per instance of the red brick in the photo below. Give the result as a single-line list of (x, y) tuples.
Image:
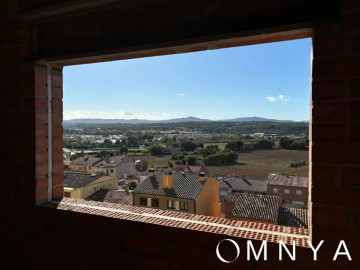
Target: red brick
[(328, 45), (58, 179), (57, 92), (336, 67), (41, 77), (57, 81), (41, 117), (329, 89), (41, 131), (15, 53), (57, 154), (330, 219), (41, 90), (350, 176), (58, 166), (350, 4), (42, 183), (323, 175), (336, 111), (58, 192), (41, 169), (20, 39), (327, 133), (354, 132), (41, 144), (41, 195), (57, 105), (57, 118), (325, 29), (335, 153), (355, 88), (350, 22), (41, 156), (335, 196), (58, 131)]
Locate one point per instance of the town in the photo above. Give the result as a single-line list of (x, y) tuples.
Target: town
[(201, 168)]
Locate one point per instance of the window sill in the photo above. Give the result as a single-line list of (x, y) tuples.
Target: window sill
[(233, 228)]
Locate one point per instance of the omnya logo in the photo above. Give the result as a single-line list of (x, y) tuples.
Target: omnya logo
[(292, 254)]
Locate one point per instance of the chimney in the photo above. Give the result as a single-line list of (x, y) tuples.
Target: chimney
[(167, 180), (229, 207), (151, 172), (201, 176)]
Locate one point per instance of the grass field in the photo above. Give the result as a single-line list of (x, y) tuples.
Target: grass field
[(255, 164), (258, 164)]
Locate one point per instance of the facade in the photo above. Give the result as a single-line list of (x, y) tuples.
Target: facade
[(185, 192), (84, 164), (292, 190), (117, 166), (81, 185)]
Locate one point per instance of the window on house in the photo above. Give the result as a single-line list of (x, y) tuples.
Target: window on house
[(184, 206), (171, 204), (298, 192), (143, 201), (67, 194), (154, 202), (212, 139)]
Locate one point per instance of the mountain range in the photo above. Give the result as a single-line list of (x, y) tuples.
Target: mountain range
[(175, 120)]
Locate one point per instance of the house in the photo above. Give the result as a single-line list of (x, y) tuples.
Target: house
[(116, 166), (191, 169), (84, 164), (292, 190), (252, 207), (241, 184), (81, 185), (184, 192)]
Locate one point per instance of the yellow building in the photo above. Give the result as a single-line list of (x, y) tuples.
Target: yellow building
[(81, 185), (84, 164), (183, 192)]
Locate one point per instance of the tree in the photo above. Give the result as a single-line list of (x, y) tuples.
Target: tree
[(188, 146), (285, 143), (123, 150), (156, 150), (131, 185), (191, 160), (209, 150), (264, 144), (236, 146)]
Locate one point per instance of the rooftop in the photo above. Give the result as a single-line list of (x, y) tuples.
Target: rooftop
[(289, 181), (293, 217), (190, 168), (86, 161), (112, 161), (254, 206), (244, 185), (186, 186), (79, 180), (111, 196)]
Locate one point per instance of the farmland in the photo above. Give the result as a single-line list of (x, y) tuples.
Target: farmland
[(254, 165)]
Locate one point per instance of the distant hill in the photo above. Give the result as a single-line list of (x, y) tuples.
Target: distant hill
[(176, 120), (257, 119)]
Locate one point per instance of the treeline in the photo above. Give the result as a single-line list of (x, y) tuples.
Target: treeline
[(205, 127)]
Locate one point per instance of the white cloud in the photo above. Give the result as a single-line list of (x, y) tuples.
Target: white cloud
[(281, 98), (180, 94), (284, 98), (76, 114), (271, 99)]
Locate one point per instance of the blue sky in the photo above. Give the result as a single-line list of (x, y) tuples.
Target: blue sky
[(270, 80)]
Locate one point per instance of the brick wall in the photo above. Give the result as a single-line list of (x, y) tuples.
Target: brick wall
[(42, 238)]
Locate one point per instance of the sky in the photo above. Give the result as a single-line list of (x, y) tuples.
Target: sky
[(269, 80)]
